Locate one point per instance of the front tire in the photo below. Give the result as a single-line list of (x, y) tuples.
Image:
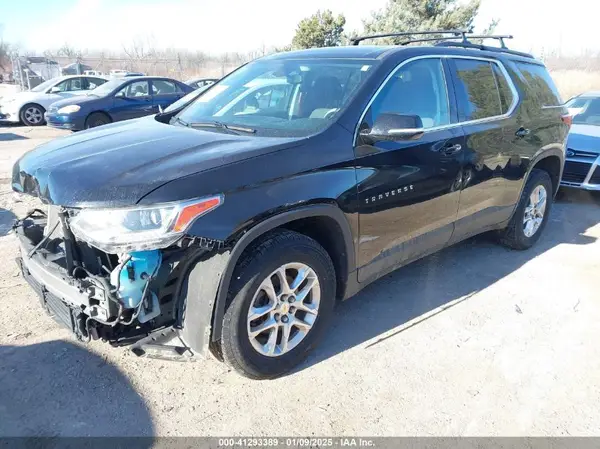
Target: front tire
[(531, 215), (96, 119), (32, 115), (280, 301)]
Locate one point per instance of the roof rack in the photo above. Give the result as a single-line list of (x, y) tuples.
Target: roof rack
[(445, 41), (453, 35)]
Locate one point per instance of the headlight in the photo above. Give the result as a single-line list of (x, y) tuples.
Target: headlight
[(139, 228), (69, 109)]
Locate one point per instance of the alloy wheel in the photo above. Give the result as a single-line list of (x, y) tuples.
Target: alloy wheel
[(283, 309), (534, 211), (34, 115)]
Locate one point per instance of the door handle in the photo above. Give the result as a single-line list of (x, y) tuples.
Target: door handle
[(522, 132), (451, 149)]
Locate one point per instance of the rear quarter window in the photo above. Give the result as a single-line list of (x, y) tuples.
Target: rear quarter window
[(538, 85)]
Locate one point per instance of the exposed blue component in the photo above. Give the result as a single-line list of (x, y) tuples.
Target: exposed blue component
[(134, 275)]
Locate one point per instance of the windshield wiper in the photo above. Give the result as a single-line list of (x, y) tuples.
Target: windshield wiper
[(215, 124), (181, 122)]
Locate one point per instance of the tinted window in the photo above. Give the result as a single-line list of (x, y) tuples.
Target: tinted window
[(162, 87), (538, 84), (476, 90), (418, 88), (506, 94), (135, 89)]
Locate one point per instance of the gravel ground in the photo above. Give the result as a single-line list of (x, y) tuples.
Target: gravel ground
[(475, 340)]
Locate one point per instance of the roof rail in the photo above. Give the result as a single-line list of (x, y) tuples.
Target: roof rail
[(483, 47), (454, 34)]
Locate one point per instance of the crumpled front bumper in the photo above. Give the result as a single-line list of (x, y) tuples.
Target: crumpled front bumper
[(182, 332), (62, 296)]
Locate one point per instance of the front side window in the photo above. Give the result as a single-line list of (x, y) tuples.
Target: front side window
[(292, 98), (476, 90), (135, 89), (70, 85), (417, 88)]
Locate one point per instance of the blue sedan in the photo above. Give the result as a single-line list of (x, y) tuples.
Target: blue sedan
[(116, 100)]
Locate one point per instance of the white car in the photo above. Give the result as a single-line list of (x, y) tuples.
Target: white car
[(28, 107)]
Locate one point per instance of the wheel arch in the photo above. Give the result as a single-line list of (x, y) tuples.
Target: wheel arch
[(31, 103), (325, 223), (553, 165), (99, 111)]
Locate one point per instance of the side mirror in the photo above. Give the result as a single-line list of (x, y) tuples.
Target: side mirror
[(390, 126), (54, 90)]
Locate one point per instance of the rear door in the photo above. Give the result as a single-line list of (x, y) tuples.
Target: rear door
[(132, 101), (164, 93), (408, 187), (486, 98)]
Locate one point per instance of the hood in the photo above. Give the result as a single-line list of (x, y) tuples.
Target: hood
[(81, 100), (118, 164), (584, 137), (20, 96)]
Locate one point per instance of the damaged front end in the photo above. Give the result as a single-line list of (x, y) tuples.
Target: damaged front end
[(95, 275)]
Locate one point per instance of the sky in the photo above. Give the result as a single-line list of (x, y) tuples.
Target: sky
[(215, 26)]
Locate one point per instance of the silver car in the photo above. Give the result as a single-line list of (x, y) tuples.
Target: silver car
[(582, 169)]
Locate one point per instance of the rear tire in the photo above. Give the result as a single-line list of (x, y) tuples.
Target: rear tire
[(32, 114), (96, 119), (529, 220), (293, 313)]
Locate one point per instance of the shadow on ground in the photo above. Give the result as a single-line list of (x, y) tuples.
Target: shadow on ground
[(7, 219), (423, 289), (11, 136), (100, 401)]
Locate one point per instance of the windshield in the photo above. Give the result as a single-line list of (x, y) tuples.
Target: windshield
[(106, 88), (291, 98), (585, 111), (45, 85)]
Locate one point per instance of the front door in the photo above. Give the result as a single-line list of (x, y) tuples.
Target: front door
[(409, 186), (132, 101)]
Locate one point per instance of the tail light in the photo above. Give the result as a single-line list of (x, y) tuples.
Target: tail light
[(567, 119)]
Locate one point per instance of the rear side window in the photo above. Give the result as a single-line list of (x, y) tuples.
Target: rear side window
[(506, 94), (163, 87), (476, 90), (538, 85)]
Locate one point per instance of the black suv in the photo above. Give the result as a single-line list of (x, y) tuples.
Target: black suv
[(234, 222)]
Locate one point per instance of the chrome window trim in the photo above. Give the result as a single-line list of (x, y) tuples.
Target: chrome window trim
[(509, 80)]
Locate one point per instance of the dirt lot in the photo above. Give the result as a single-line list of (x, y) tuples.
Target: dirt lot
[(476, 340)]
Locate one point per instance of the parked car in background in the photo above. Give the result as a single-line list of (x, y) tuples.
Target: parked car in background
[(122, 73), (119, 99), (582, 167), (94, 73), (28, 107), (200, 82), (76, 68), (235, 223)]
